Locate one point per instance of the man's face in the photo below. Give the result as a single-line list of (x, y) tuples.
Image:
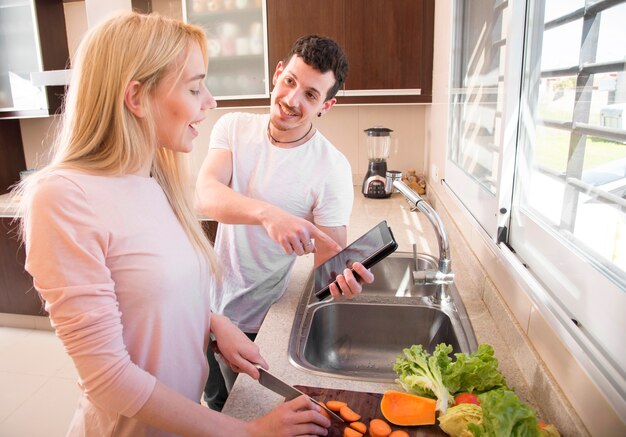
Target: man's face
[(299, 94)]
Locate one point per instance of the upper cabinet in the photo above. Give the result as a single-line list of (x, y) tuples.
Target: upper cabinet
[(389, 43), (32, 40), (237, 46)]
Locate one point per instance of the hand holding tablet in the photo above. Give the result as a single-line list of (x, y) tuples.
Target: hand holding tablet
[(368, 249)]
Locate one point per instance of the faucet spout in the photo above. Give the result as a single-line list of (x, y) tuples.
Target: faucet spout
[(444, 268)]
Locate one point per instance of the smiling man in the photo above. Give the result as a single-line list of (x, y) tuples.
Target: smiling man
[(279, 189)]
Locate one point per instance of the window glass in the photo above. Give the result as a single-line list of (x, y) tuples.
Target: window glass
[(556, 54), (478, 92), (558, 8), (556, 98), (612, 35), (568, 221)]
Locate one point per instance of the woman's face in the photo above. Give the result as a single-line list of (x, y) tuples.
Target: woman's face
[(179, 103)]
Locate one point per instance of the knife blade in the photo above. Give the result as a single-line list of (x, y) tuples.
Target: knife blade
[(289, 392)]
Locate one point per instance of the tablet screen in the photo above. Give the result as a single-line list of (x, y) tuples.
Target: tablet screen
[(362, 249)]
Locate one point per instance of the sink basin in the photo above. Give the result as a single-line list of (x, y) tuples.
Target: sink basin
[(356, 339), (360, 339)]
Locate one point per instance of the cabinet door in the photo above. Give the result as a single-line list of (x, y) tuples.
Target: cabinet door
[(237, 46), (17, 294), (287, 20), (390, 43), (32, 40)]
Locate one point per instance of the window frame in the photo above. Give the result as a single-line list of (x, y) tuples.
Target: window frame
[(493, 212)]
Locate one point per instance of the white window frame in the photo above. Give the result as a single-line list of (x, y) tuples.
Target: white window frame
[(531, 246)]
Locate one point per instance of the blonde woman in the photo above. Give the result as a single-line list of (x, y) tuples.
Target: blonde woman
[(116, 251)]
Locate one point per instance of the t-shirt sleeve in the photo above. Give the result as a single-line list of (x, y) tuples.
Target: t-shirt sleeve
[(66, 253), (334, 203), (220, 137)]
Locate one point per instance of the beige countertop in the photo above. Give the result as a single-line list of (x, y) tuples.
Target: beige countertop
[(249, 399)]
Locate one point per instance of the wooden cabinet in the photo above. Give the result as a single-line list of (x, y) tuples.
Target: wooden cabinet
[(17, 294), (210, 229), (389, 43), (12, 159)]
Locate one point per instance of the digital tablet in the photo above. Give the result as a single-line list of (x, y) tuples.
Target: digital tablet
[(368, 249)]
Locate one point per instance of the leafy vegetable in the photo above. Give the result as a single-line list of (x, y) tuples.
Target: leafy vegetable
[(438, 376), (504, 414), (477, 372), (456, 421), (420, 373)]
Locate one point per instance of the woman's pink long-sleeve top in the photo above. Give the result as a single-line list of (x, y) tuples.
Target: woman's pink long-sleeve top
[(127, 293)]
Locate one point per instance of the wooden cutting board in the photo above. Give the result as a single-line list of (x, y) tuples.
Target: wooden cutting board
[(368, 406)]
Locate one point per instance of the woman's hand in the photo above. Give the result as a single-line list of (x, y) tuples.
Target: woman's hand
[(298, 417), (239, 352), (349, 285)]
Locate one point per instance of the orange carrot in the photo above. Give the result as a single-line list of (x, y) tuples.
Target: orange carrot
[(379, 428), (349, 432), (399, 433), (324, 412), (359, 426), (348, 415), (335, 405)]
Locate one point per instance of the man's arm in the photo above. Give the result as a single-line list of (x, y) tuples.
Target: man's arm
[(218, 201)]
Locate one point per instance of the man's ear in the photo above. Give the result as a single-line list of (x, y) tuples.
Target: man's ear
[(132, 98), (327, 105), (277, 72)]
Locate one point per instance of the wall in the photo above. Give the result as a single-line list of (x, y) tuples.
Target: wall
[(540, 349)]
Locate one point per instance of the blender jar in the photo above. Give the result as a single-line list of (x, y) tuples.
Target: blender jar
[(378, 143)]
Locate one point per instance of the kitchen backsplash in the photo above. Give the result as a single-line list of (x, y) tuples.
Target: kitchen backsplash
[(343, 126)]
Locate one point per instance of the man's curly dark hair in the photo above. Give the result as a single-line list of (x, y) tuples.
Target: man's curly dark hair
[(323, 54)]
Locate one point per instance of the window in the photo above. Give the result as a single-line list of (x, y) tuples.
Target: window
[(548, 156)]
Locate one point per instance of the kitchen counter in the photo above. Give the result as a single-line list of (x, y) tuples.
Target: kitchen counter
[(249, 399)]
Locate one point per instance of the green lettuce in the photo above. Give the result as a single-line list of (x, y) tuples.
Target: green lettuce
[(504, 414), (421, 373), (474, 373), (437, 376)]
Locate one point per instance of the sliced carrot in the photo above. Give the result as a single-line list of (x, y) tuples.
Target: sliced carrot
[(359, 426), (324, 412), (335, 405), (379, 428), (349, 432), (399, 433), (348, 415)]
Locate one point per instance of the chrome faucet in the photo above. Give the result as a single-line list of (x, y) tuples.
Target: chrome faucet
[(443, 274)]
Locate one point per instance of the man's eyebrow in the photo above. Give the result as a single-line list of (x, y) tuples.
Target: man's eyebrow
[(311, 89)]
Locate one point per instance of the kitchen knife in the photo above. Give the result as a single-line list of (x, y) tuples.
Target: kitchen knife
[(282, 388)]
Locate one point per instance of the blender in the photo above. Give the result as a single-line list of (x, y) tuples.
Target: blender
[(378, 142)]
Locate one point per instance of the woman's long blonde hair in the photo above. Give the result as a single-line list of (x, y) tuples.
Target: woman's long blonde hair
[(100, 135)]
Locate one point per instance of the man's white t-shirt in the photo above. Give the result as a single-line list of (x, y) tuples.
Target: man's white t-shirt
[(312, 181)]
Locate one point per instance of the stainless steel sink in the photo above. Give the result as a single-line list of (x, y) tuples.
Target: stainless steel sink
[(360, 339)]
